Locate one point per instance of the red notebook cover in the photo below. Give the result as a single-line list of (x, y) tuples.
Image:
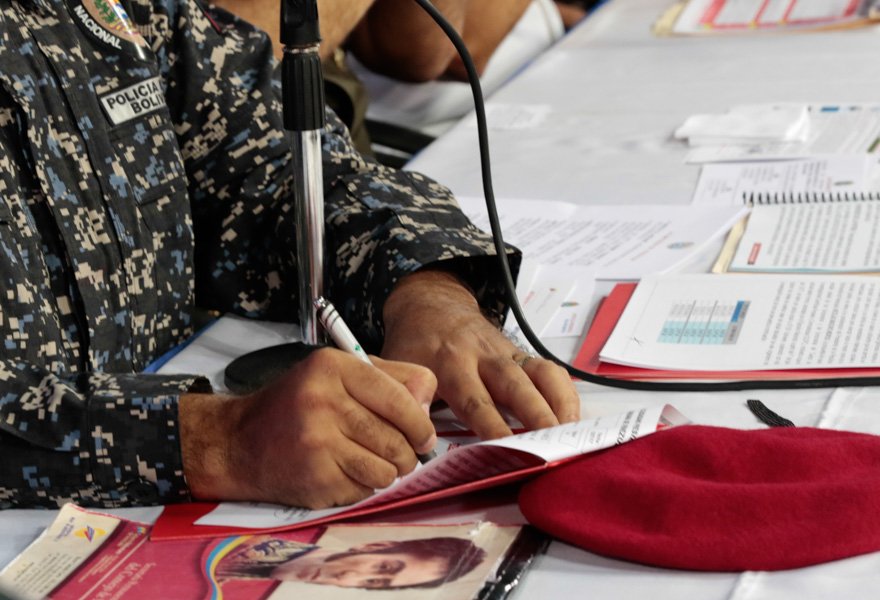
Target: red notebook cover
[(177, 520)]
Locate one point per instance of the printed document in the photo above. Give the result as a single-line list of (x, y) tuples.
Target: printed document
[(825, 237), (703, 322), (616, 242)]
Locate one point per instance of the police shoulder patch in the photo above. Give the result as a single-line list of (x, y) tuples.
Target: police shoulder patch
[(107, 22)]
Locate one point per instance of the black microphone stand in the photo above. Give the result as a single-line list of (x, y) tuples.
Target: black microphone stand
[(302, 88)]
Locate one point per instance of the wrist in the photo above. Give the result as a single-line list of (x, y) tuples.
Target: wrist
[(428, 290), (208, 424)]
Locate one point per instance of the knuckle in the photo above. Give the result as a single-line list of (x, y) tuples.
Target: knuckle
[(322, 360), (448, 351), (401, 455), (360, 422), (475, 404), (516, 387), (359, 469), (394, 449), (423, 376)]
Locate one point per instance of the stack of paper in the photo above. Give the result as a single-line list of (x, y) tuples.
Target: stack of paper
[(748, 124)]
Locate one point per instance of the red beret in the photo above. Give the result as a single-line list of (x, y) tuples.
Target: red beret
[(717, 499)]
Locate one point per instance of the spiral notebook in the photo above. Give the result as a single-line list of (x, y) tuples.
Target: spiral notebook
[(806, 232)]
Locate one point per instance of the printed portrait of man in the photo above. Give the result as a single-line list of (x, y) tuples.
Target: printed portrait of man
[(393, 564)]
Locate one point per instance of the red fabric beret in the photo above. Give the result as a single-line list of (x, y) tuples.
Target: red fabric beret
[(717, 499)]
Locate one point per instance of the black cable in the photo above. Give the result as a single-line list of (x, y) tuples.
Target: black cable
[(510, 286)]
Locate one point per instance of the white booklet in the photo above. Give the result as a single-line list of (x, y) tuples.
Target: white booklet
[(824, 237), (703, 322)]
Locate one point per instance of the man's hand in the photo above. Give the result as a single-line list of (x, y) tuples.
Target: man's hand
[(328, 432), (433, 320)]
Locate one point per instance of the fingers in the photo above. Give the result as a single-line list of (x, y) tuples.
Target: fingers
[(511, 387), (555, 385), (329, 483), (463, 390), (383, 441), (389, 399), (366, 469)]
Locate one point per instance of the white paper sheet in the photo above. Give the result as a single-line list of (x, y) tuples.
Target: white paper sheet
[(225, 340), (749, 322), (616, 242)]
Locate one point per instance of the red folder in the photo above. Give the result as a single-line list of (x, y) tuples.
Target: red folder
[(177, 520), (609, 313)]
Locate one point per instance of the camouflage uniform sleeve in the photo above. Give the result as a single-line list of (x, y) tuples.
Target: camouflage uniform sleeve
[(385, 223), (94, 439), (381, 223)]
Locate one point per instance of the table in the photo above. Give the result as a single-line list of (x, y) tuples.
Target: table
[(615, 94)]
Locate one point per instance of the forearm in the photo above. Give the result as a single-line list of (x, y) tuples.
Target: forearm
[(487, 24), (399, 39), (337, 19)]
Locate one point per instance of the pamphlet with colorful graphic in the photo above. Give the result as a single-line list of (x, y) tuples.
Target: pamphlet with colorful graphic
[(85, 554)]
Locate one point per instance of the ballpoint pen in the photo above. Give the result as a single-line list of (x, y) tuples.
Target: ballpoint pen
[(344, 339)]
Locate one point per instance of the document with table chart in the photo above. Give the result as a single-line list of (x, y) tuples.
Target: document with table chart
[(705, 322)]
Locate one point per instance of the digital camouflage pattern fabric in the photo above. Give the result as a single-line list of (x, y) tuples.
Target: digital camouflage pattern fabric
[(143, 170)]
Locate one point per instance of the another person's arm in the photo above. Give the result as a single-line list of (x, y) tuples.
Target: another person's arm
[(398, 39), (337, 19)]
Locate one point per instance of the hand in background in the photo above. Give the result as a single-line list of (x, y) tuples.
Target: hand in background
[(431, 319), (328, 432)]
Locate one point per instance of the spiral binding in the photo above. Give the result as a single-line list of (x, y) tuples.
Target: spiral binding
[(753, 198)]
